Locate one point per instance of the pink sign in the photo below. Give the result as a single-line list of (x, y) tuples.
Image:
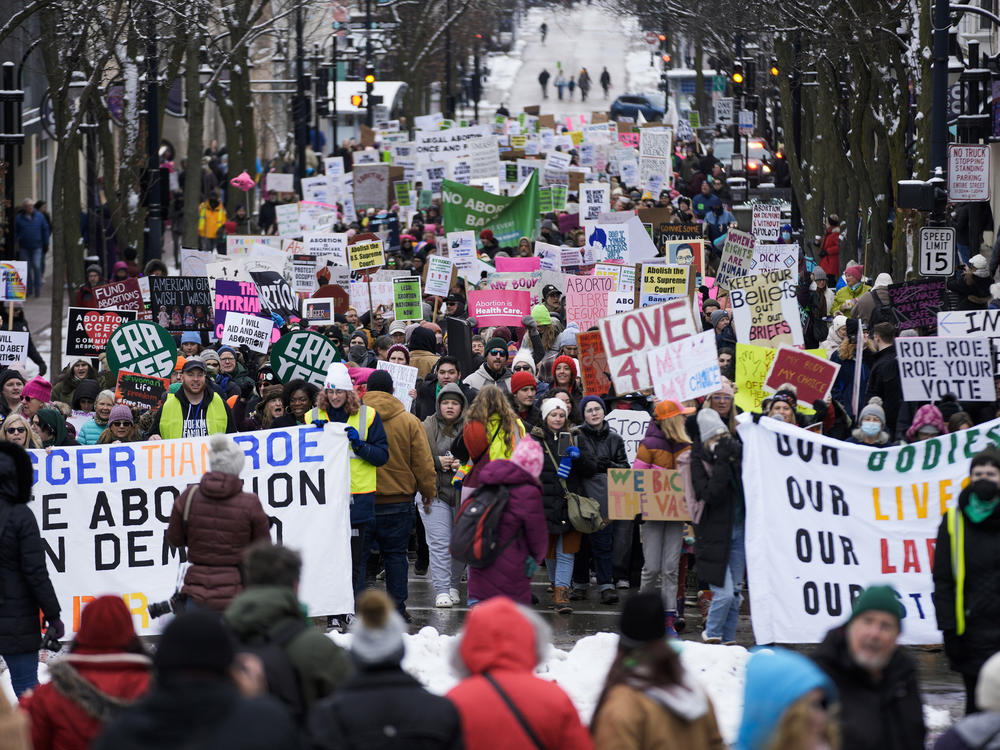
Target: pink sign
[(534, 263), (499, 307), (587, 299), (629, 139)]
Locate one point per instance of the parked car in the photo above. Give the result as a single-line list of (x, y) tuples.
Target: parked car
[(629, 105)]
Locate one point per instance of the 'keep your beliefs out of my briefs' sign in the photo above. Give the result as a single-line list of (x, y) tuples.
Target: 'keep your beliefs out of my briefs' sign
[(103, 511), (826, 519)]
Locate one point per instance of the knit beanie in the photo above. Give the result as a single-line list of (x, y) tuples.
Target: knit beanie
[(398, 348), (528, 455), (378, 631), (38, 387), (196, 641), (522, 379), (225, 455), (496, 343), (191, 337), (710, 424), (523, 355), (56, 423), (541, 315), (726, 389), (105, 625), (718, 315), (643, 620), (988, 685), (588, 399), (120, 413), (873, 409), (209, 355), (564, 360), (567, 337), (549, 405), (980, 266), (927, 416), (380, 380), (879, 599), (856, 270)]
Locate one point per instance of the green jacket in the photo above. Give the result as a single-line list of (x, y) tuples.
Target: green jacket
[(321, 664)]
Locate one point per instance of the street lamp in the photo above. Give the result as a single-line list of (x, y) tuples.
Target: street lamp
[(11, 101)]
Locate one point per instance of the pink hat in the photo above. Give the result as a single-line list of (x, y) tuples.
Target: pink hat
[(726, 389), (528, 455), (38, 387), (856, 270), (927, 415)]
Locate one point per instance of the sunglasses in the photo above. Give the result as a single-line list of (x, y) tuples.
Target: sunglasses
[(16, 430), (522, 368), (121, 423), (498, 352)]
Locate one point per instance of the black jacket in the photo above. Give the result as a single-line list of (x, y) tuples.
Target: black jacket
[(717, 482), (200, 715), (968, 652), (425, 404), (385, 708), (553, 495), (883, 381), (601, 448), (973, 291), (883, 715), (25, 587)]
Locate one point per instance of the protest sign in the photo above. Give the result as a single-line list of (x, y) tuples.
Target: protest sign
[(627, 337), (280, 182), (766, 221), (303, 355), (439, 272), (143, 347), (193, 261), (184, 301), (13, 348), (441, 145), (303, 267), (685, 369), (932, 367), (102, 513), (88, 330), (140, 391), (595, 199), (404, 380), (826, 519), (121, 295), (656, 494), (753, 363), (661, 283), (13, 280), (569, 258), (318, 311), (327, 244), (918, 302), (499, 307), (528, 282), (234, 296), (531, 263), (371, 186), (686, 253), (631, 424), (250, 331), (240, 244), (766, 309), (606, 242), (287, 215), (736, 255), (976, 323), (587, 299), (774, 258), (276, 295), (406, 298), (593, 363), (366, 254), (812, 376)]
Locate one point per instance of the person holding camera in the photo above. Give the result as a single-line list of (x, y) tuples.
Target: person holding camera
[(25, 587), (216, 520)]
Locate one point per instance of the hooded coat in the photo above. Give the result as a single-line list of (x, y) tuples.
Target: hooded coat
[(86, 388), (716, 481), (500, 640), (65, 389), (24, 579), (410, 468), (422, 345), (523, 518), (5, 376), (222, 522), (441, 436)]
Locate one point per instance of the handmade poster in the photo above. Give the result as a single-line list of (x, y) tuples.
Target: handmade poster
[(766, 221), (371, 186), (404, 380), (737, 253), (88, 330), (917, 303), (184, 303), (587, 299), (766, 310), (593, 363), (655, 494), (753, 363), (280, 182), (976, 323), (327, 244), (140, 391), (932, 367), (631, 424), (528, 282), (530, 263), (250, 331), (288, 219), (595, 199), (499, 307), (774, 258), (685, 369), (812, 376)]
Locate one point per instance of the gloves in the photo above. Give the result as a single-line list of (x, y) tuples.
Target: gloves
[(530, 566), (572, 453), (353, 436), (55, 628), (566, 464), (528, 321), (472, 322), (42, 369), (279, 321), (321, 423), (246, 390), (822, 254)]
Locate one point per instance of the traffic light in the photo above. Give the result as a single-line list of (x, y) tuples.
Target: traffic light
[(774, 67), (357, 100), (737, 78), (665, 58), (370, 76)]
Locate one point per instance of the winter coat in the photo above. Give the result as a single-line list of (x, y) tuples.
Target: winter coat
[(656, 451), (201, 714), (524, 518), (843, 386), (679, 717), (976, 732), (260, 612), (866, 305), (973, 291), (846, 298), (66, 387), (440, 437), (553, 494), (502, 642), (85, 693), (874, 715), (483, 377), (601, 448), (385, 708), (423, 361), (967, 652), (425, 404), (829, 253), (24, 579), (410, 468), (90, 432), (717, 482), (883, 381), (222, 522), (31, 232), (422, 344), (233, 384)]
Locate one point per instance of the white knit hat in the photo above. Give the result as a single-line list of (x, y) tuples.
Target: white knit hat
[(225, 455), (988, 685), (549, 405), (337, 378)]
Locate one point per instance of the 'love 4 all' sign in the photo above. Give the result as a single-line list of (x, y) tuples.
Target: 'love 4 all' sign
[(142, 347)]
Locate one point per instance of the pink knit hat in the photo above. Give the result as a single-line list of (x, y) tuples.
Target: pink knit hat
[(528, 455), (38, 387), (726, 388), (927, 415)]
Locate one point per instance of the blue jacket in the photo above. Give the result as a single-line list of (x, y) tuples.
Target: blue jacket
[(31, 232), (776, 678)]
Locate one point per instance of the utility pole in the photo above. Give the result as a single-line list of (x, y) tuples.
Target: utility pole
[(369, 67), (301, 125), (449, 101), (333, 102), (477, 81), (154, 246)]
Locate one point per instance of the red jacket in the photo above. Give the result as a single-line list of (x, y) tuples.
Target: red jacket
[(831, 245), (84, 695), (501, 640)]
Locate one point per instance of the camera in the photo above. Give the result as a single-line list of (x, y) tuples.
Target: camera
[(50, 643), (174, 604)]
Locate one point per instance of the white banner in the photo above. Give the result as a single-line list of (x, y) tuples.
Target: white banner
[(103, 511), (826, 519)]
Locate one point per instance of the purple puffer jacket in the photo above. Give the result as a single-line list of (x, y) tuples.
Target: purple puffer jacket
[(506, 576)]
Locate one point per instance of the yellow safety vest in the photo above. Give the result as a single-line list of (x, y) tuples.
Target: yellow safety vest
[(956, 537), (172, 419), (363, 474)]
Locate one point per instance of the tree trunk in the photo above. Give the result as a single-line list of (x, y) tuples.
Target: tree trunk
[(195, 144), (700, 100)]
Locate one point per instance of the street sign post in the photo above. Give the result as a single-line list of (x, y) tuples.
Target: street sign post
[(724, 111), (652, 38), (968, 172), (937, 251)]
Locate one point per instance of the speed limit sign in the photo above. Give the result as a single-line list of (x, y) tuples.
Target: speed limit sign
[(937, 251)]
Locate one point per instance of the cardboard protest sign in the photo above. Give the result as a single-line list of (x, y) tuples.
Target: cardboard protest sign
[(656, 494), (184, 303), (143, 347), (439, 271), (976, 323), (276, 295), (685, 369), (13, 348), (587, 299), (627, 337), (766, 221), (121, 295), (631, 424), (13, 280), (140, 391), (736, 255), (499, 307), (917, 303), (250, 331), (304, 355), (366, 254), (753, 363), (766, 310), (234, 296), (932, 367), (406, 298), (593, 363), (774, 258), (404, 380), (812, 376), (661, 283), (88, 330)]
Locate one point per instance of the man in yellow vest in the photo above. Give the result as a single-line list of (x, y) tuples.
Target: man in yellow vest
[(967, 573), (211, 219), (369, 450), (195, 410)]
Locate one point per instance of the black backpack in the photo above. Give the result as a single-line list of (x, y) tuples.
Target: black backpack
[(475, 536), (883, 313), (283, 679)]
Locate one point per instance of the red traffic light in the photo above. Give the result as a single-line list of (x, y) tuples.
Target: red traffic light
[(357, 100), (662, 37)]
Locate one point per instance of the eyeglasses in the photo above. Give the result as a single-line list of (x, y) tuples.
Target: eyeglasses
[(16, 430), (522, 368), (498, 352), (227, 359), (121, 423)]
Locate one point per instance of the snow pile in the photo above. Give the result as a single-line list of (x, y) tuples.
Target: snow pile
[(640, 76), (503, 72)]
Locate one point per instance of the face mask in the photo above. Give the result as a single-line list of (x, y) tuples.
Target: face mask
[(357, 353), (786, 236), (779, 417), (871, 429), (984, 489)]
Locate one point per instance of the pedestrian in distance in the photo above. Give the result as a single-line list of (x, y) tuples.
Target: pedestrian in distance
[(544, 30), (605, 81), (543, 81)]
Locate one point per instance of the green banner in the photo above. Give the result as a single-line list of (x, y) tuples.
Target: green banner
[(406, 299), (142, 347), (508, 217), (303, 354)]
